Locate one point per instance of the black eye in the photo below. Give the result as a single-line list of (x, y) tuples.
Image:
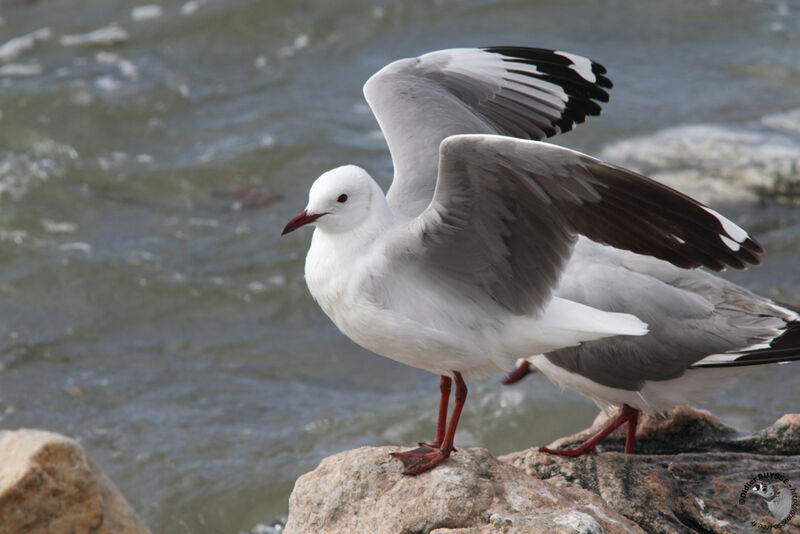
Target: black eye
[(342, 198)]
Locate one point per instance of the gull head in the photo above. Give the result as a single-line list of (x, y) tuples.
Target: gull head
[(339, 201)]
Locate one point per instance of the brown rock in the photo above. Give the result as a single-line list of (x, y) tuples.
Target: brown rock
[(688, 475), (665, 492), (48, 485), (363, 491), (782, 437), (685, 429)]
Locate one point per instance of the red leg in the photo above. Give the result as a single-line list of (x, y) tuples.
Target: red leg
[(425, 448), (461, 398), (444, 387), (426, 457), (628, 414), (518, 374), (630, 437)]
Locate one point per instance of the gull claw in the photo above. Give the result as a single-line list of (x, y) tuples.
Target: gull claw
[(434, 445), (423, 458)]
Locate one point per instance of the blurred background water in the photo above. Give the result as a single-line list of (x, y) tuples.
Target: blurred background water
[(148, 306)]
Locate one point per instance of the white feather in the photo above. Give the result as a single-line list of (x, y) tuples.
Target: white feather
[(580, 64)]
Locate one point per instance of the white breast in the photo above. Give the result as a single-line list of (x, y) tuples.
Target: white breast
[(392, 315)]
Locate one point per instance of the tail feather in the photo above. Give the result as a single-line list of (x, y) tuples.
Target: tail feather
[(783, 348)]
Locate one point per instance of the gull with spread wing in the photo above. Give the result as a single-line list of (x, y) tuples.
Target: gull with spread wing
[(456, 270)]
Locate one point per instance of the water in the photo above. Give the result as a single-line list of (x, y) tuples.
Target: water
[(146, 311)]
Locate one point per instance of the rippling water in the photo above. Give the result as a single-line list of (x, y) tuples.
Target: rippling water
[(148, 306)]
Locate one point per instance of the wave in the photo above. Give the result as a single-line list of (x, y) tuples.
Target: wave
[(43, 159), (748, 162)]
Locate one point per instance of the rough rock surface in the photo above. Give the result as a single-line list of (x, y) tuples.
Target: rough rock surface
[(665, 490), (685, 429), (363, 491), (48, 485), (687, 476)]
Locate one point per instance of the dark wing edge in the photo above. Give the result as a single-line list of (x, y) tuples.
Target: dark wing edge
[(671, 225), (617, 207), (582, 79)]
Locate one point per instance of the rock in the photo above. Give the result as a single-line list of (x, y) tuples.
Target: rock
[(48, 485), (690, 478), (363, 491), (782, 437), (682, 429), (685, 429), (691, 474)]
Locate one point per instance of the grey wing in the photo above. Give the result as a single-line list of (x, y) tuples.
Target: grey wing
[(506, 213), (529, 93), (694, 318)]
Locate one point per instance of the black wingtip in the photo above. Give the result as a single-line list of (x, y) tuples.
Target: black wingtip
[(528, 109), (789, 339), (784, 348)]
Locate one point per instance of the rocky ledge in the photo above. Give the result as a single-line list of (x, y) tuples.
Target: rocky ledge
[(689, 475), (49, 486)]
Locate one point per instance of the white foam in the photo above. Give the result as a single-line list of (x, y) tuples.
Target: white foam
[(110, 34), (21, 69), (146, 12), (79, 246), (55, 227), (789, 120), (108, 83), (107, 58), (261, 528), (256, 287), (191, 7), (115, 159), (126, 67), (719, 163), (277, 280), (200, 222), (16, 46), (44, 159), (15, 236), (300, 42)]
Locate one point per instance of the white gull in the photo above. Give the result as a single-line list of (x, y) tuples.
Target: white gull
[(454, 270)]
